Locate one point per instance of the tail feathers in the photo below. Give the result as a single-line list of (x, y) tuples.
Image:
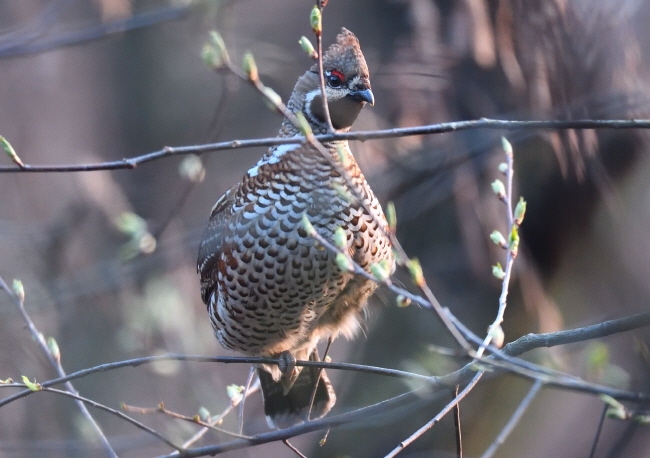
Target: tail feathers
[(284, 410)]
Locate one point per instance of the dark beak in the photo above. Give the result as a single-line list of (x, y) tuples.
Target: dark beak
[(363, 96)]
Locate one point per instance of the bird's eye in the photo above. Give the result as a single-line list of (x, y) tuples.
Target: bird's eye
[(334, 78)]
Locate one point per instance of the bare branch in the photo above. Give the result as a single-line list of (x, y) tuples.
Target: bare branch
[(216, 420), (195, 420), (405, 443), (516, 417), (321, 74), (483, 123), (22, 42)]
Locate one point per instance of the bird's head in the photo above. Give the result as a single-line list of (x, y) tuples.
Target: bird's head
[(347, 85)]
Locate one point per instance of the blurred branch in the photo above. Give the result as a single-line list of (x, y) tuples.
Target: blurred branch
[(317, 26), (52, 354), (484, 123), (514, 419), (195, 419), (31, 42), (405, 443)]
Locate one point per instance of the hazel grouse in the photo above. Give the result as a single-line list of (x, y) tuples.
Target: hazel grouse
[(270, 289)]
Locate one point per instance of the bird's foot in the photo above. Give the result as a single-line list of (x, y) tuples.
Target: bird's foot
[(286, 363)]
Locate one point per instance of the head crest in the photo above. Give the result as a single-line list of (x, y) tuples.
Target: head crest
[(345, 55)]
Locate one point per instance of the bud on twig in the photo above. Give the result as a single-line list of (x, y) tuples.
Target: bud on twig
[(53, 348), (19, 290), (306, 46), (403, 301), (391, 216), (32, 386), (316, 20), (498, 336), (642, 419), (11, 152), (343, 155), (503, 168), (305, 128), (340, 239), (214, 53), (379, 272), (272, 98), (204, 414), (520, 211), (514, 241), (235, 393), (250, 67), (191, 168), (306, 224), (343, 192), (498, 239), (614, 408), (415, 269), (344, 262), (499, 189), (507, 147), (498, 272)]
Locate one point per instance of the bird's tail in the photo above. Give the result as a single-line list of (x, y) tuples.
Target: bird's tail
[(292, 408)]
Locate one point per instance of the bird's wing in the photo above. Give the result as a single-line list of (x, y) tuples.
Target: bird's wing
[(212, 245)]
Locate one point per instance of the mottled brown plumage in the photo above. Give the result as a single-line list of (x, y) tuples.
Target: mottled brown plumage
[(270, 289)]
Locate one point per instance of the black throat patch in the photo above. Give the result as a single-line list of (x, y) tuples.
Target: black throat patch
[(343, 112)]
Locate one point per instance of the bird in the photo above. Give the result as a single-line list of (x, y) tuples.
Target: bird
[(270, 288)]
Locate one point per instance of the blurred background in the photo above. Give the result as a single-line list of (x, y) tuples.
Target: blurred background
[(108, 258)]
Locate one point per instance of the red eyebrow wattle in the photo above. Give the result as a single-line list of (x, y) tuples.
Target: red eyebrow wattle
[(337, 74)]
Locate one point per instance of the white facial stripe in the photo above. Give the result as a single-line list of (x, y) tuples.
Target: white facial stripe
[(354, 82), (309, 98), (272, 157)]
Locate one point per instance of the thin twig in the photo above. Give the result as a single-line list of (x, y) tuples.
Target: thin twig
[(293, 448), (514, 420), (56, 364), (312, 398), (601, 422), (214, 421), (21, 45), (321, 73), (162, 409), (249, 380), (459, 437), (405, 443), (510, 255), (117, 413), (454, 126)]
